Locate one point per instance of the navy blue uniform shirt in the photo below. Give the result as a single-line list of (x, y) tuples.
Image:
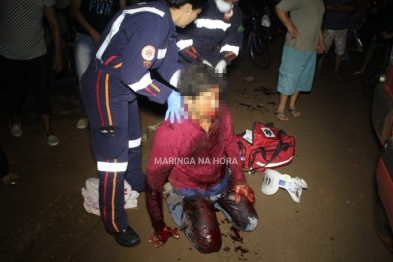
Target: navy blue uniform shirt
[(138, 39)]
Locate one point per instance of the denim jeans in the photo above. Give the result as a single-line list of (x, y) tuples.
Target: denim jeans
[(195, 216), (84, 52)]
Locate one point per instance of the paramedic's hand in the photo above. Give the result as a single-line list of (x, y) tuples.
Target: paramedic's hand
[(246, 191), (292, 30), (221, 67), (175, 108), (160, 237)]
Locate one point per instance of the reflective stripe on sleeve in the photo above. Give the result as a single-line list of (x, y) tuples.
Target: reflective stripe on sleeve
[(212, 24), (161, 53), (134, 143), (230, 48), (184, 43), (111, 167), (117, 23), (143, 83)]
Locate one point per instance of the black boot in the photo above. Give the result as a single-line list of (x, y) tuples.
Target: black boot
[(126, 238)]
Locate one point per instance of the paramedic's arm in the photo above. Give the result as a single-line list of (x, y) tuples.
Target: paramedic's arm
[(50, 14), (170, 67), (141, 53), (284, 18), (80, 18), (232, 41)]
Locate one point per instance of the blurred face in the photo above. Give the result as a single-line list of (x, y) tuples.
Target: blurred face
[(187, 15), (225, 5), (204, 106)]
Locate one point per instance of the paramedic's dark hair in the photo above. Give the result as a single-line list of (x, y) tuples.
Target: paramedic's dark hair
[(198, 77), (196, 4)]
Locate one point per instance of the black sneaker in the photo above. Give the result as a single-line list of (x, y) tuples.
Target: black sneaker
[(126, 238)]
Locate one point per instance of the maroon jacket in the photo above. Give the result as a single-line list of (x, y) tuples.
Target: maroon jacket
[(203, 162)]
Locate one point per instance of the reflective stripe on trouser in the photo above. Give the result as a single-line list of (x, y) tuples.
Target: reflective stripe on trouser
[(195, 215), (114, 123)]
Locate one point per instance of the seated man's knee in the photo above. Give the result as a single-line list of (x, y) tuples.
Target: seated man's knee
[(252, 224), (203, 228), (206, 240)]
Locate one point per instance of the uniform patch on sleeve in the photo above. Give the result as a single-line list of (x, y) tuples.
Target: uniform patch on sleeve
[(148, 52), (240, 29)]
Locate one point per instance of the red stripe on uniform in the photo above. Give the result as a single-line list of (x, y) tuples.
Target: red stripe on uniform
[(98, 98), (98, 90), (190, 53), (150, 92), (109, 60)]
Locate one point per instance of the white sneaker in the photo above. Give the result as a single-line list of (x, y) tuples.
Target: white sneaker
[(82, 122), (52, 140), (16, 130)]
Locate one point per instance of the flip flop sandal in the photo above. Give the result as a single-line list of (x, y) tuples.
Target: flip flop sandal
[(281, 116), (294, 111)]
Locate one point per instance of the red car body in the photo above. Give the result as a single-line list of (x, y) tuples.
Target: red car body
[(382, 119)]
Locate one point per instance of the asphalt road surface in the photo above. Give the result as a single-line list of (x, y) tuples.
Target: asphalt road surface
[(42, 218)]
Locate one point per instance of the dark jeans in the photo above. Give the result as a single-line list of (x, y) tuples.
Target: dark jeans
[(16, 73), (196, 217)]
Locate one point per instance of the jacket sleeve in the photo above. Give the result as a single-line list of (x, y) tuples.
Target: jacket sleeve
[(158, 169), (232, 42), (232, 150), (170, 64), (141, 52)]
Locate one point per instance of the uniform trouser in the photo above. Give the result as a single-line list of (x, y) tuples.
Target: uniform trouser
[(16, 72), (116, 137), (196, 216)]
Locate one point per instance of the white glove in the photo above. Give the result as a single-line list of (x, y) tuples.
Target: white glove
[(221, 67), (175, 78), (207, 63)]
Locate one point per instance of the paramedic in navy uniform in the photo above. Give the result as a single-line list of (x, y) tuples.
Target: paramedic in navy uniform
[(138, 39), (215, 37)]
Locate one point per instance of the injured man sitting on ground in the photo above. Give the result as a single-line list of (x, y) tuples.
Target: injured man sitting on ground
[(198, 161)]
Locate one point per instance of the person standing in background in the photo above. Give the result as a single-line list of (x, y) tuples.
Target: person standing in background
[(91, 19), (303, 41), (23, 56), (335, 28)]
